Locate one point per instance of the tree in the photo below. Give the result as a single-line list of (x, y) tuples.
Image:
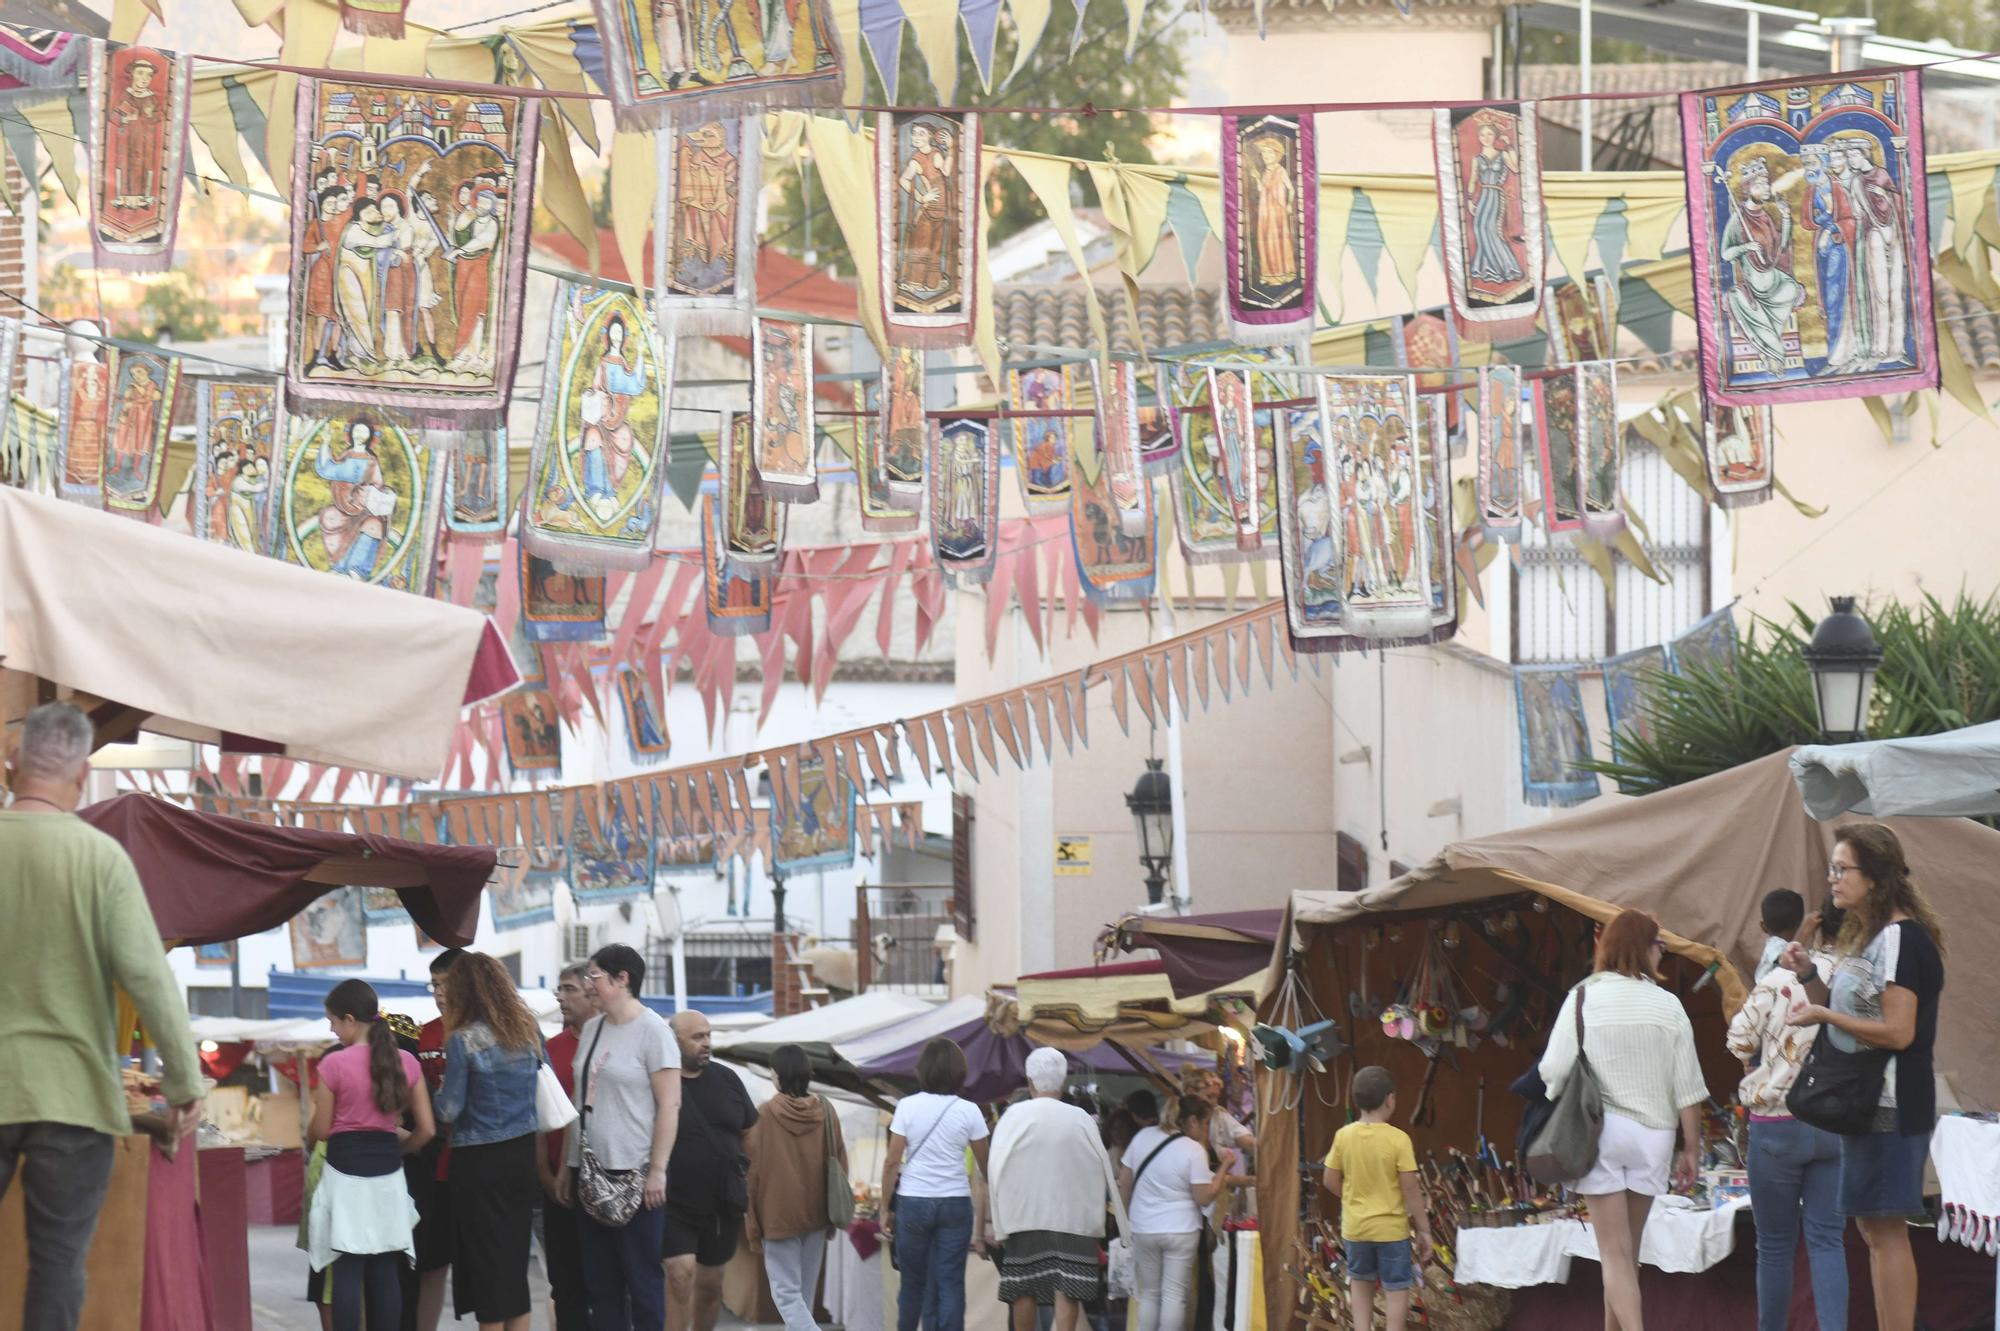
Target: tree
[(1098, 73), (176, 308)]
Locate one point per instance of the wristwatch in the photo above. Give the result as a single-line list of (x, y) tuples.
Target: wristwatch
[(1810, 975)]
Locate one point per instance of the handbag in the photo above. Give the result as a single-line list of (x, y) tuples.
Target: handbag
[(1120, 1271), (1836, 1090), (1566, 1147), (611, 1197), (553, 1110), (839, 1188)]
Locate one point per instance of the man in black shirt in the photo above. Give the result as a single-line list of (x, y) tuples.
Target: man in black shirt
[(707, 1190)]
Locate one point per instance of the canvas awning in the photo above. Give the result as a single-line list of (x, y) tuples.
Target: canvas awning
[(150, 629), (1955, 774), (817, 1030), (1203, 953)]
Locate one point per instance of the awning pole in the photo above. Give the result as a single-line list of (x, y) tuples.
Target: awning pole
[(1584, 84)]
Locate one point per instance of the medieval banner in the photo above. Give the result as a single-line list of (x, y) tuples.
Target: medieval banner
[(137, 150), (522, 897), (1555, 739), (905, 433), (476, 500), (1115, 388), (558, 606), (884, 510), (86, 403), (927, 202), (141, 413), (383, 905), (1500, 452), (1849, 315), (360, 497), (1600, 444), (601, 437), (374, 18), (784, 446), (238, 421), (1738, 445), (1434, 501), (965, 498), (670, 60), (1312, 551), (1159, 437), (1213, 506), (705, 223), (1270, 225), (1043, 457), (610, 856), (1709, 645), (1489, 180), (736, 604), (1559, 439), (331, 933), (753, 524), (409, 247), (646, 737), (817, 831), (1231, 400), (40, 63), (1576, 329), (533, 730), (1630, 680), (1372, 422), (1113, 563)]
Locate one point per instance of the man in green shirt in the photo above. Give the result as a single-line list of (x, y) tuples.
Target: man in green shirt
[(78, 928)]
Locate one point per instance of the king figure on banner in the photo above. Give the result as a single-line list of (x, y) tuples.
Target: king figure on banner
[(1489, 176), (140, 415), (1270, 217), (678, 57), (138, 142)]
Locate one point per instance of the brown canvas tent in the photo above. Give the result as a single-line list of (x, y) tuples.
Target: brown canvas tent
[(1699, 856)]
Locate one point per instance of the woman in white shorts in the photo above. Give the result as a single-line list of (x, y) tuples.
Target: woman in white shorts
[(1641, 1046)]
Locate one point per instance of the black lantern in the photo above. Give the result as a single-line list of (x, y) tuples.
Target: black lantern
[(1843, 656), (1152, 806)]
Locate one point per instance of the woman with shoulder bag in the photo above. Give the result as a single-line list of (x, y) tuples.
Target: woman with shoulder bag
[(628, 1087), (1166, 1181), (930, 1220), (1883, 995), (1637, 1040), (794, 1194)]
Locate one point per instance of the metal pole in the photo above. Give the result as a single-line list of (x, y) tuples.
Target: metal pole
[(1847, 40), (1586, 128), (1753, 40), (1183, 891), (680, 953)]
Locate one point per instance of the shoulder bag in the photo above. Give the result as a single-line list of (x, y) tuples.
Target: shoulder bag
[(839, 1188), (1838, 1091), (611, 1197), (553, 1109), (1120, 1264), (1566, 1147)]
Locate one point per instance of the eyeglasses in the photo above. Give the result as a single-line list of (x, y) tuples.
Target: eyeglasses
[(1836, 872)]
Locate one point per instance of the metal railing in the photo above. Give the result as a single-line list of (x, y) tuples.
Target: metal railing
[(895, 932)]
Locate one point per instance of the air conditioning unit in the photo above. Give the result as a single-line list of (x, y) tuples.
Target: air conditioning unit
[(576, 943)]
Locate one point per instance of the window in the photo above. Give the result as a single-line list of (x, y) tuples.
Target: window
[(212, 1000), (1352, 858), (1560, 609), (964, 916)]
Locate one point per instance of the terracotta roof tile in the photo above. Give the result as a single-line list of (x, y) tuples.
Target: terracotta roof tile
[(1046, 314)]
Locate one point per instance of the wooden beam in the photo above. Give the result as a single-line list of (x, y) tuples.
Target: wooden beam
[(116, 723)]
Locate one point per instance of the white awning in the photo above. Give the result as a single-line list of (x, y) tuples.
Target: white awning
[(1955, 774)]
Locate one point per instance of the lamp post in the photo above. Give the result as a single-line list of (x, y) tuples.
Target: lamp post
[(1843, 656), (767, 797), (1152, 806)]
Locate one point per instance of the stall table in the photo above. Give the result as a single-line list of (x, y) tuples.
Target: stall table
[(1966, 1152), (1680, 1237)]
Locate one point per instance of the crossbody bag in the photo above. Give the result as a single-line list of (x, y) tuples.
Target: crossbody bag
[(611, 1197)]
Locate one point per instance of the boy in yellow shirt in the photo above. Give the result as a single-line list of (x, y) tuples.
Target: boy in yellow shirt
[(1372, 1170)]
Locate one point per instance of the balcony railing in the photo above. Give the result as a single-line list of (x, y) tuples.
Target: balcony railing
[(896, 931)]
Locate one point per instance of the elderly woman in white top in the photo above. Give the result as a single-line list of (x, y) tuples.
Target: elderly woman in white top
[(1050, 1184), (1641, 1046)]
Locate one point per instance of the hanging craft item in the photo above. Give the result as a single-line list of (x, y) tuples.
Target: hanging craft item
[(1500, 452), (331, 933), (736, 604), (903, 426), (476, 499), (1599, 445), (1738, 444), (1841, 155), (86, 399), (143, 391), (1042, 452), (1114, 564), (361, 497), (1374, 421), (705, 223), (409, 248), (601, 437), (1235, 415), (374, 18), (753, 524), (611, 853), (1555, 739), (1115, 387), (37, 64), (1576, 333), (965, 498), (1489, 181), (927, 200), (884, 512), (817, 830), (1315, 540), (1434, 502), (1428, 345), (1159, 439), (558, 606), (1630, 681), (669, 59), (1270, 225), (534, 730), (237, 423), (1709, 645), (137, 147), (646, 736), (1561, 448), (784, 443), (1213, 507)]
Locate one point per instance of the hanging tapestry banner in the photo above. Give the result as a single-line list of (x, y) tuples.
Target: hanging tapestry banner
[(383, 905), (332, 932), (1555, 738), (705, 223), (1630, 681), (214, 954), (374, 18), (1434, 502), (1500, 452), (1489, 179), (1159, 437), (753, 524), (965, 499), (137, 150), (36, 61), (534, 730), (883, 511), (522, 899), (681, 841), (476, 502), (1115, 387), (646, 736), (904, 432), (601, 433), (360, 497), (612, 862), (1840, 156), (1374, 424), (143, 392), (237, 423), (1113, 563), (86, 400), (1739, 445), (927, 201), (784, 443), (1576, 332), (669, 60), (1270, 226), (1213, 506), (1709, 645), (1043, 455), (1427, 344), (558, 606), (817, 832), (1561, 448), (1235, 417), (1315, 541), (737, 604), (409, 249), (1600, 448)]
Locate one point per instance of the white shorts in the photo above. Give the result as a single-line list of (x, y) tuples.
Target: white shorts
[(1631, 1157)]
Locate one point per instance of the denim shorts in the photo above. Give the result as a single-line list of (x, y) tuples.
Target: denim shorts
[(1386, 1264), (1882, 1174)]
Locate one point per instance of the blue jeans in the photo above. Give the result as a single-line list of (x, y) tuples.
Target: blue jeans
[(1795, 1170), (622, 1277), (932, 1236)]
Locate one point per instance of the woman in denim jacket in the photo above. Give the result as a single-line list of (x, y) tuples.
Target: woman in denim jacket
[(492, 1053)]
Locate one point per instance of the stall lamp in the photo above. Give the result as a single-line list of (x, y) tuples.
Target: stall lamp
[(209, 1046), (1843, 657)]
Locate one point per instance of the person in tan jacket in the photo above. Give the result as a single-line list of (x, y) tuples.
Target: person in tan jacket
[(787, 1221)]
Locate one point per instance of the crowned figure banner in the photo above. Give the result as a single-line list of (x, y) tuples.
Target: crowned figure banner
[(705, 223), (1489, 180), (1270, 225), (138, 150), (965, 498), (409, 249), (669, 60), (927, 203)]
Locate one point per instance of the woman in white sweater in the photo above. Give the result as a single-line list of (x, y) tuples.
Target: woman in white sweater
[(1641, 1046)]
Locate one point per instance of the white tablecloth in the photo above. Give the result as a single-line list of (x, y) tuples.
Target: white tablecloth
[(852, 1288), (1680, 1237), (1966, 1152)]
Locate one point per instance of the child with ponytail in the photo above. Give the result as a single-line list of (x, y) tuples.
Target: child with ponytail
[(362, 1216)]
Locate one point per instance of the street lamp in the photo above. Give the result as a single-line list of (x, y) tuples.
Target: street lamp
[(1843, 656), (770, 801), (1152, 806)]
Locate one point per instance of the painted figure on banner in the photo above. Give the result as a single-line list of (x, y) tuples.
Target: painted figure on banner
[(817, 831), (1373, 422), (663, 55), (1115, 564), (1709, 645), (236, 426), (612, 859), (1042, 454), (1489, 174), (1500, 451), (86, 401), (1574, 326), (1312, 535), (1433, 458), (903, 420), (478, 484), (705, 232), (785, 442), (1159, 441), (1555, 738), (1738, 445), (1126, 486), (1631, 679), (359, 497), (143, 391), (884, 511), (1561, 451), (735, 602), (534, 731), (1428, 344), (1235, 453), (523, 897), (557, 606), (139, 138), (1808, 205), (331, 932), (753, 522), (964, 497), (1270, 216), (645, 733), (683, 842), (1600, 441), (1224, 492), (927, 171)]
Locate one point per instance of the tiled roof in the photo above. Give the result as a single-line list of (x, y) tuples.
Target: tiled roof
[(1973, 327), (1052, 314)]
